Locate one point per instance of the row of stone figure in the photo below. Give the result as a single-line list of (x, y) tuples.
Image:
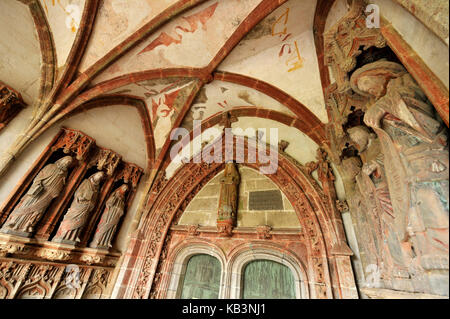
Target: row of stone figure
[(47, 186)]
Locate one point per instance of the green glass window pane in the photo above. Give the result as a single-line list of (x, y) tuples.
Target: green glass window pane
[(266, 279), (202, 278)]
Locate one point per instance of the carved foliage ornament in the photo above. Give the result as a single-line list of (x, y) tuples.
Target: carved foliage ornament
[(264, 232)]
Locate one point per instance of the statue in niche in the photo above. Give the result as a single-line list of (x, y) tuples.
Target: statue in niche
[(47, 185), (85, 199), (415, 155), (106, 229), (228, 200)]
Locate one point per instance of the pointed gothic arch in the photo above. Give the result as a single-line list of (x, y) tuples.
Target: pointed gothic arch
[(168, 198)]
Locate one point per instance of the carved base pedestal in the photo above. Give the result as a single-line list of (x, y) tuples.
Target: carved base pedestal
[(66, 242), (104, 248), (16, 233), (225, 227)]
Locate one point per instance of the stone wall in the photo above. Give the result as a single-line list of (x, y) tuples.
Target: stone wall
[(203, 209)]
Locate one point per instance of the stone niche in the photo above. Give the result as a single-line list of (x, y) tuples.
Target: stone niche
[(61, 216)]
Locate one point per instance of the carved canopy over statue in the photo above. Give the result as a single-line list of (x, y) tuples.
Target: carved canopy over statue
[(115, 206), (415, 162), (46, 186), (228, 200), (84, 201)]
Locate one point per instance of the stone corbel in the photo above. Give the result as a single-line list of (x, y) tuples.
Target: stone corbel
[(11, 103), (225, 228), (342, 206), (193, 230), (341, 249), (264, 232)]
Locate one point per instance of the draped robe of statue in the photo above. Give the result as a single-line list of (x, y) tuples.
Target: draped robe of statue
[(415, 150), (85, 199), (47, 185), (106, 229), (228, 200), (372, 184)]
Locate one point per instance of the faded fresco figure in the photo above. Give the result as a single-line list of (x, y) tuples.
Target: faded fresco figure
[(106, 229), (46, 186), (84, 201)]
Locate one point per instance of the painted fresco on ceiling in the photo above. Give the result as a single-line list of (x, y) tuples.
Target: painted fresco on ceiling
[(191, 40), (164, 99), (284, 44), (64, 17), (218, 97), (116, 21), (176, 35)]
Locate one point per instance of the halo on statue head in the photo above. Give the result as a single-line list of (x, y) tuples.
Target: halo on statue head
[(389, 70)]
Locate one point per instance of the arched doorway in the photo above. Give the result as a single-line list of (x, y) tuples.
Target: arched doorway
[(327, 255)]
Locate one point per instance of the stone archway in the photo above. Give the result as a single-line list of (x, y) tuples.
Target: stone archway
[(327, 259)]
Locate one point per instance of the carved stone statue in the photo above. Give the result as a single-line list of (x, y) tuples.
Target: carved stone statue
[(228, 200), (415, 152), (46, 186), (84, 201), (106, 229)]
